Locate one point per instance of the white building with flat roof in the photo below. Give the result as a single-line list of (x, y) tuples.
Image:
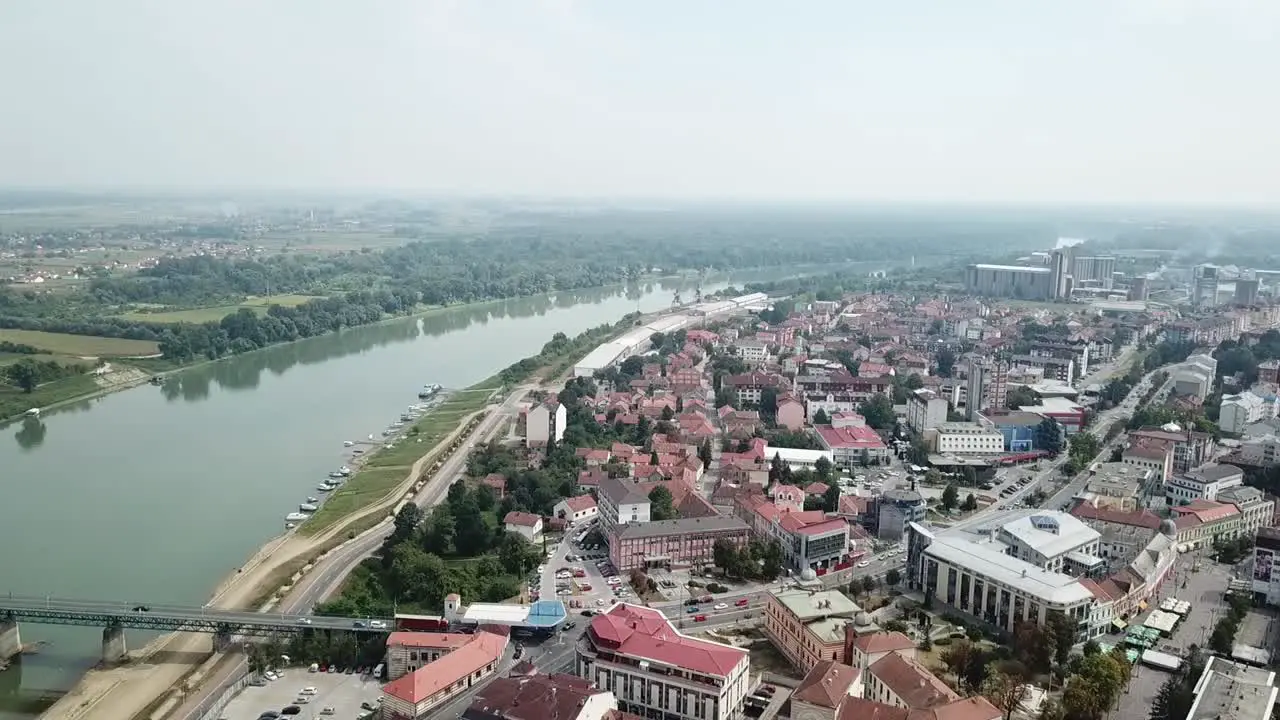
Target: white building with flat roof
[(960, 438), (1011, 568)]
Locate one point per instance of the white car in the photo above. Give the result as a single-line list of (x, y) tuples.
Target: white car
[(377, 624), (864, 563), (722, 606)]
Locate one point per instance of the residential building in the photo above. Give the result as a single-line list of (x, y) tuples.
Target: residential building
[(1266, 566), (621, 501), (895, 509), (809, 540), (1122, 533), (1119, 486), (1011, 281), (1269, 371), (576, 509), (925, 410), (748, 387), (955, 438), (851, 441), (1200, 523), (901, 682), (1061, 369), (1203, 483), (1256, 510), (1155, 457), (526, 525), (1241, 409), (408, 651), (1010, 569), (752, 352), (824, 690), (828, 405), (1077, 353), (545, 422), (790, 412), (416, 694), (524, 696), (987, 386), (1191, 448), (867, 650), (656, 671), (808, 626), (1233, 690), (684, 542)]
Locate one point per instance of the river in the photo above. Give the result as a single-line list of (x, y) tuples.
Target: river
[(155, 494)]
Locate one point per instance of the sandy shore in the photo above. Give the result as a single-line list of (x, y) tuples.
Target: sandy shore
[(160, 668)]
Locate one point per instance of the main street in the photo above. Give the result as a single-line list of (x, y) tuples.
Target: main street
[(327, 576)]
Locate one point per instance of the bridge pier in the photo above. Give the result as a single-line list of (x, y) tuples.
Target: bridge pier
[(221, 640), (113, 647), (10, 640)]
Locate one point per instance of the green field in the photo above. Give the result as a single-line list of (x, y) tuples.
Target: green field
[(80, 345), (388, 467), (216, 313), (15, 402)]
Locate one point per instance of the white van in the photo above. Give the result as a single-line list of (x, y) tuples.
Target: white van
[(308, 691)]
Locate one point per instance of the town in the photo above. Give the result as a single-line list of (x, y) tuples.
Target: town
[(883, 505)]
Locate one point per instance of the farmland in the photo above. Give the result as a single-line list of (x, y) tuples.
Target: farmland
[(80, 345), (159, 314)]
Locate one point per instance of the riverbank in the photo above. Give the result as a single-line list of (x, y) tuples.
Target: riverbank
[(166, 665)]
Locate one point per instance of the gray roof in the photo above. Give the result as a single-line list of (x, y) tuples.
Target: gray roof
[(622, 491), (658, 528), (1213, 473)]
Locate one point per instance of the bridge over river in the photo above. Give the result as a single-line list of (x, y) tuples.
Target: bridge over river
[(115, 617)]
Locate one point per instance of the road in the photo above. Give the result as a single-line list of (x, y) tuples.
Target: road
[(327, 576)]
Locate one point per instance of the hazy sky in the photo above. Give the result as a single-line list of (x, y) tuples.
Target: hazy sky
[(1078, 100)]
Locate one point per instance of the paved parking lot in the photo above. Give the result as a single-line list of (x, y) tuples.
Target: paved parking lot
[(343, 693), (599, 596)]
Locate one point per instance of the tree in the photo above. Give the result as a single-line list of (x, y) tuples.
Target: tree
[(668, 414), (776, 469), (438, 531), (517, 555), (893, 577), (831, 499), (704, 453), (1084, 447), (662, 504), (653, 458), (823, 467), (1006, 692), (878, 411), (946, 360), (25, 374), (769, 405), (1062, 632), (950, 497), (821, 417), (970, 503), (405, 523), (957, 657), (1032, 646), (1020, 396)]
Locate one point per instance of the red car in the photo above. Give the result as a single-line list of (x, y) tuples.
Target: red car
[(579, 573), (741, 603), (700, 618)]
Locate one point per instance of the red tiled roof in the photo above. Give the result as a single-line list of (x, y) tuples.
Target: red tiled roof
[(1136, 518), (856, 437), (827, 684), (912, 682), (578, 503), (429, 639), (880, 642), (532, 697), (1205, 511), (521, 519), (816, 489), (433, 677), (646, 634)]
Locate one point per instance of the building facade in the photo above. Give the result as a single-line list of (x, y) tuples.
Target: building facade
[(966, 439), (685, 542), (808, 627), (655, 671), (925, 410)]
